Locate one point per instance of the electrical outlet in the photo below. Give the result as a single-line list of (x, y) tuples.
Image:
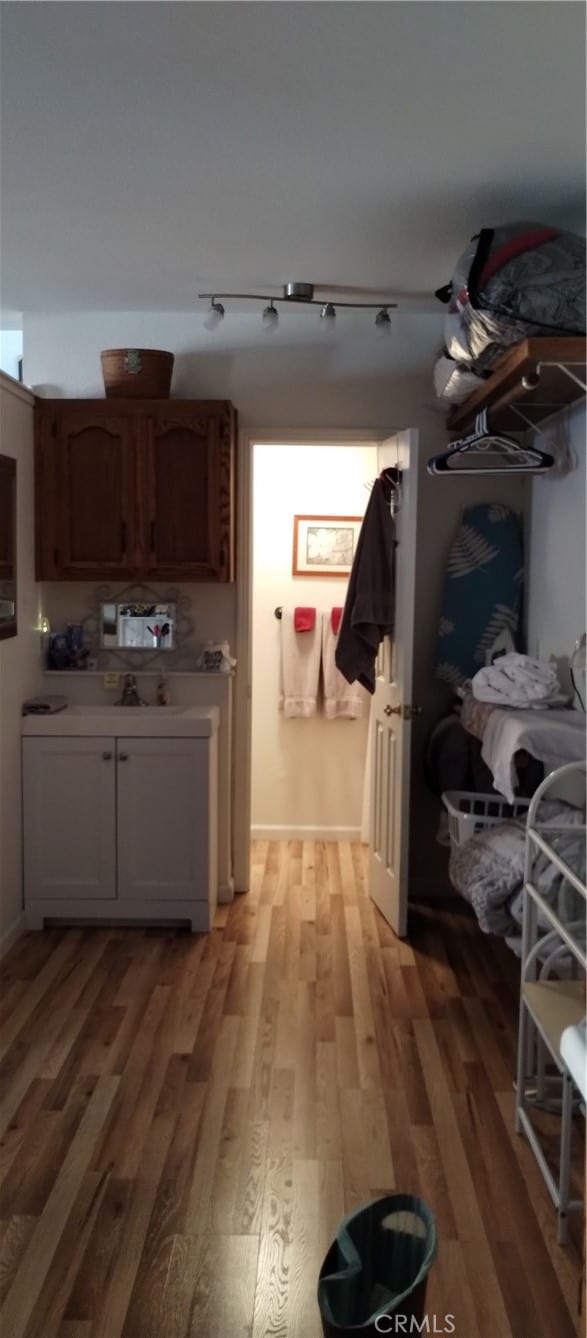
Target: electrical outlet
[(111, 681)]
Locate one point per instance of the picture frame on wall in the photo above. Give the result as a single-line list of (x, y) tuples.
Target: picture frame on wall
[(324, 545)]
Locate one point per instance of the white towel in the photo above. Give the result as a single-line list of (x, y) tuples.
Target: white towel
[(300, 668), (342, 700), (516, 680)]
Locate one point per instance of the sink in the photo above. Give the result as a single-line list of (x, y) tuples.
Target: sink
[(129, 710), (129, 722)]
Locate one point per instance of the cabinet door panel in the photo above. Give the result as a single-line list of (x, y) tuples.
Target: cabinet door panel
[(188, 487), (69, 818), (163, 819), (88, 488)]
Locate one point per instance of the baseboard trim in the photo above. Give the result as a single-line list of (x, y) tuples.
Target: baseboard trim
[(11, 935), (276, 833)]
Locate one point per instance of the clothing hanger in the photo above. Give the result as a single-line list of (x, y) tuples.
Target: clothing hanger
[(483, 442), (391, 478)]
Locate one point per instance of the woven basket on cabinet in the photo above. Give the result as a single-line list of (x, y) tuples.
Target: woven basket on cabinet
[(144, 373)]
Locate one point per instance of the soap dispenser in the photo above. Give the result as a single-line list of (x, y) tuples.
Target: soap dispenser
[(162, 693)]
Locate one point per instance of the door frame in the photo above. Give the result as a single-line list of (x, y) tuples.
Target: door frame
[(242, 725)]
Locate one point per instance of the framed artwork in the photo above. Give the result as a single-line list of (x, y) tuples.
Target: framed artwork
[(324, 545)]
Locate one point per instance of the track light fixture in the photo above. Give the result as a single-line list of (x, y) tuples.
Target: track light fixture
[(270, 318), (214, 315), (296, 294)]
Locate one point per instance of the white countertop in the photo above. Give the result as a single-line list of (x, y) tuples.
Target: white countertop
[(129, 722)]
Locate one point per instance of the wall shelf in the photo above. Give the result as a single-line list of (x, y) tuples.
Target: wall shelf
[(532, 383), (139, 673)]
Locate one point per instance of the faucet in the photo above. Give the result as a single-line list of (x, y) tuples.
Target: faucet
[(130, 692)]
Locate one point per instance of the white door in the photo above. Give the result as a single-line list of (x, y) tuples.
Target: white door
[(393, 707), (69, 795), (164, 819)]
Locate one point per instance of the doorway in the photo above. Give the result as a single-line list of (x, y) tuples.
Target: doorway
[(389, 728), (307, 774)]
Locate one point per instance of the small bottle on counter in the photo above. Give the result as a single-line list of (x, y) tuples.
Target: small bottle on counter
[(162, 693)]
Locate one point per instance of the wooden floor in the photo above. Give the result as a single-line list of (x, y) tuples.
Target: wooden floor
[(186, 1119)]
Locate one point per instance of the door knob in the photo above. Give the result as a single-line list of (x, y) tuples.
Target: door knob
[(406, 712)]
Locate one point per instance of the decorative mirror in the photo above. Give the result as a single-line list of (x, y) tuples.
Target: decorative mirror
[(7, 546), (137, 625)]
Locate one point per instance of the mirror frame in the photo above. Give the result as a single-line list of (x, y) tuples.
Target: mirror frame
[(9, 626)]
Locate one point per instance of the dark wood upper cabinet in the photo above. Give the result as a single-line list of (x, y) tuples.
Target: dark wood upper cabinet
[(85, 478), (187, 455), (135, 489), (8, 602)]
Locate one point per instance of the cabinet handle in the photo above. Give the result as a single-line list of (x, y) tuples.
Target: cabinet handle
[(107, 757), (123, 757)]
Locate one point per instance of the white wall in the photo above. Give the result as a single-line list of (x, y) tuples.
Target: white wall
[(20, 664), (307, 774), (556, 604), (289, 379)]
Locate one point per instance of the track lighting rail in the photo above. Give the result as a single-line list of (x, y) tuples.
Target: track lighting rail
[(297, 301)]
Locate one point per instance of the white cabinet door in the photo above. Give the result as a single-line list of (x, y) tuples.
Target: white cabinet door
[(70, 818), (164, 820)]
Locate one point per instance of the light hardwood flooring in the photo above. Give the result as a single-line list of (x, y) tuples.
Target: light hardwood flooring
[(186, 1119)]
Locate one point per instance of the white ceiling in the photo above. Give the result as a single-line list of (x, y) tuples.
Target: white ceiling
[(149, 150)]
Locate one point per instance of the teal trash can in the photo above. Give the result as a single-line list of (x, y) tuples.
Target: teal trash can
[(377, 1266)]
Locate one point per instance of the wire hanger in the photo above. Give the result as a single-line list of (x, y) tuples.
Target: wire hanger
[(391, 478), (482, 442)]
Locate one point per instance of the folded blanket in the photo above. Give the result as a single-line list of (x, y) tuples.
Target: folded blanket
[(516, 680), (488, 870)]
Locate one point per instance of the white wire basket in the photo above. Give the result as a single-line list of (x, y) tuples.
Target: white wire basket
[(469, 812)]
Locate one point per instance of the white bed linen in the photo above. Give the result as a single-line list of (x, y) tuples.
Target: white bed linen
[(554, 737)]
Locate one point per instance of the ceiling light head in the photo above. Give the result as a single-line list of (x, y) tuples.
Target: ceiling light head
[(383, 322), (215, 314), (328, 315), (270, 318)]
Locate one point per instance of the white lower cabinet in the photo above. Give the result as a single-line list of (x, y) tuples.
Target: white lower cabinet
[(120, 829), (70, 819)]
